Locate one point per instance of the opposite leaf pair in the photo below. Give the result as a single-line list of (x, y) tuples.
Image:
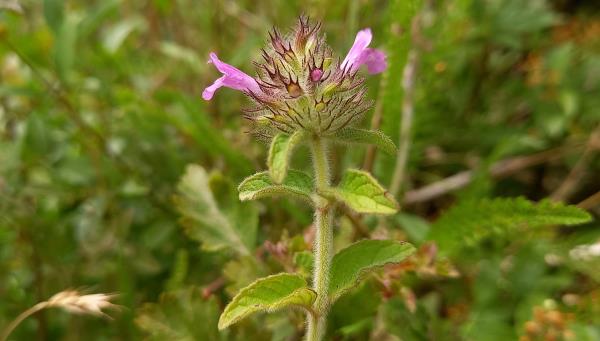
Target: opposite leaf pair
[(286, 290), (358, 189)]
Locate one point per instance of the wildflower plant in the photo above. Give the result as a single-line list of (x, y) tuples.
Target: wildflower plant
[(303, 94)]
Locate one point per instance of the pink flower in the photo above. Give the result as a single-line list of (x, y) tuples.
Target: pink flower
[(232, 78), (360, 54)]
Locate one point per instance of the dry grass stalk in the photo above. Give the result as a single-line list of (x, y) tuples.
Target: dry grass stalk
[(72, 301)]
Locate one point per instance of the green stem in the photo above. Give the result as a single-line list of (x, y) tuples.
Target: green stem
[(323, 248)]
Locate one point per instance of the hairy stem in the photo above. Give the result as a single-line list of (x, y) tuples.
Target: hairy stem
[(323, 247)]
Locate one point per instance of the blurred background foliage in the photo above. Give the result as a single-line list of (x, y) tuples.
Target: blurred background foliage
[(100, 116)]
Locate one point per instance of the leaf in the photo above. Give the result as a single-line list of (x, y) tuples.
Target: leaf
[(470, 221), (280, 154), (352, 263), (182, 54), (180, 315), (304, 261), (231, 225), (268, 294), (54, 13), (399, 14), (261, 185), (362, 136), (241, 272), (362, 193), (116, 35), (192, 121), (64, 50), (416, 228)]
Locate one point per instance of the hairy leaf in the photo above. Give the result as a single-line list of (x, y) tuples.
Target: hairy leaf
[(362, 193), (214, 216), (268, 294), (362, 136), (353, 262), (261, 185), (280, 154), (470, 221)]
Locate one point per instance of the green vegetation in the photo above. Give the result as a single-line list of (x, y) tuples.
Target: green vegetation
[(116, 177)]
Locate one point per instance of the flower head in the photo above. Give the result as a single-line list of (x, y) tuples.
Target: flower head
[(301, 85), (75, 302)]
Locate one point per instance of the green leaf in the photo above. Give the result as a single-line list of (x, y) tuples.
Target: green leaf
[(280, 154), (416, 228), (182, 54), (114, 36), (470, 221), (180, 315), (304, 261), (54, 13), (398, 15), (268, 294), (362, 193), (261, 185), (192, 121), (362, 136), (352, 263), (212, 214), (64, 49)]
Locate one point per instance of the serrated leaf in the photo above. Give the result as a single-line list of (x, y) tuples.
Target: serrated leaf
[(352, 263), (268, 294), (470, 221), (214, 216), (180, 315), (280, 154), (362, 193), (363, 136), (261, 185)]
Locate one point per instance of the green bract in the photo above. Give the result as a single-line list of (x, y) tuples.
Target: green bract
[(362, 136), (280, 153)]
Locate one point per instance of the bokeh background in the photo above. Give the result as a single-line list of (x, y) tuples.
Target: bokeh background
[(100, 114)]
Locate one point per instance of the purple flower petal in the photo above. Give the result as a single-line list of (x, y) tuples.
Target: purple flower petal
[(374, 59), (232, 78), (360, 54)]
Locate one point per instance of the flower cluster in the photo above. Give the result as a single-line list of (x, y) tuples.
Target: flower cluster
[(301, 85), (75, 302)]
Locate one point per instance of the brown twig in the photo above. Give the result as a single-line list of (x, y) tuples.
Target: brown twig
[(212, 287), (408, 103), (376, 122), (408, 108), (590, 202), (497, 170), (570, 184)]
